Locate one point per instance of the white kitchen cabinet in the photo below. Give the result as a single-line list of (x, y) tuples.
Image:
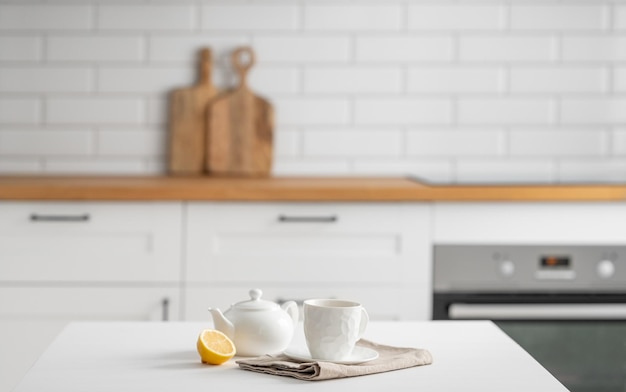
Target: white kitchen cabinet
[(96, 242), (529, 223), (377, 253), (64, 261)]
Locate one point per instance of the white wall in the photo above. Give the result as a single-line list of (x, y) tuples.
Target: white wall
[(450, 91)]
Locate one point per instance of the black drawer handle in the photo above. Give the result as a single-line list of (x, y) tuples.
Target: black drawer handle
[(59, 218), (165, 309), (308, 219)]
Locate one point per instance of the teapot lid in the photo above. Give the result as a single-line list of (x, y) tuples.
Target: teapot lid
[(255, 302)]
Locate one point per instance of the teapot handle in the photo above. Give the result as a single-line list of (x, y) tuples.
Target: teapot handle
[(292, 310)]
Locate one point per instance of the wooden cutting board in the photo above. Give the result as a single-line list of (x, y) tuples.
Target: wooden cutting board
[(240, 127), (187, 122)]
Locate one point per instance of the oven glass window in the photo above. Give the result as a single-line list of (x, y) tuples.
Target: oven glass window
[(586, 356)]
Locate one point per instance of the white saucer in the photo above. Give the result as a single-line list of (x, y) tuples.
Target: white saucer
[(359, 355)]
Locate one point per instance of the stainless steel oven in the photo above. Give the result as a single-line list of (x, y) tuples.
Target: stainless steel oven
[(564, 304)]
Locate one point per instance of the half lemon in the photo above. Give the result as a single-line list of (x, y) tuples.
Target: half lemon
[(215, 347)]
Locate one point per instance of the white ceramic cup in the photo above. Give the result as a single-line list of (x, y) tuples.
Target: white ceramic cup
[(332, 327)]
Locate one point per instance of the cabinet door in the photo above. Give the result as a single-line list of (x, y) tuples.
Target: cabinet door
[(83, 241), (31, 317)]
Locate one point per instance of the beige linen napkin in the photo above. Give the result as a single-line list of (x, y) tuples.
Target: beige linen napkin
[(390, 358)]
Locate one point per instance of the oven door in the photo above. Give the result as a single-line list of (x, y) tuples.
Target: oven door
[(580, 339)]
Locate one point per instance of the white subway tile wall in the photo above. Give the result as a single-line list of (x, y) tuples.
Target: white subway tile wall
[(460, 17), (20, 111), (20, 48), (155, 17), (94, 48), (250, 17), (45, 79), (481, 91)]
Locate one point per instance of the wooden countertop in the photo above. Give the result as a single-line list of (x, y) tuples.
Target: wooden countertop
[(288, 189)]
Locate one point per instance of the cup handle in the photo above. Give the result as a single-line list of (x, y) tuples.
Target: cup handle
[(365, 318)]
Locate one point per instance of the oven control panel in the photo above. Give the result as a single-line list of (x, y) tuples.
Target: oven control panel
[(529, 267)]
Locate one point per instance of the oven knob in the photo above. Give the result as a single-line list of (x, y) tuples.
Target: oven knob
[(507, 268), (606, 269)]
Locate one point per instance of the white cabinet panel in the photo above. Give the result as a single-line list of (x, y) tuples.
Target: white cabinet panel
[(63, 261), (300, 242), (90, 241), (84, 302), (530, 223)]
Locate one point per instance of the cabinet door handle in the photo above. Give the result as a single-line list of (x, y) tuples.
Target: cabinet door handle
[(165, 309), (308, 219), (59, 218)]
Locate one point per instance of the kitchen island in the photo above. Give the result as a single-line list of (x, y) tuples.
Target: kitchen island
[(153, 356)]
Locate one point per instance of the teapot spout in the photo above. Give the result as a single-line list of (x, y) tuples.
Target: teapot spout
[(222, 323)]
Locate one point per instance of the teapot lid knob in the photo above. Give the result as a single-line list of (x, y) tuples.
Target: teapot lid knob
[(256, 294), (255, 302)]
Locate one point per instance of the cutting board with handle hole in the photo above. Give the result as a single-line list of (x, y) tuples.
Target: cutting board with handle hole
[(240, 127), (187, 121)]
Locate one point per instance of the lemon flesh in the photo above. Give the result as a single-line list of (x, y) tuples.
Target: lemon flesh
[(215, 347)]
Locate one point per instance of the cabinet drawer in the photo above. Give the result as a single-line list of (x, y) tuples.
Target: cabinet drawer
[(529, 223), (82, 241), (89, 303), (300, 242)]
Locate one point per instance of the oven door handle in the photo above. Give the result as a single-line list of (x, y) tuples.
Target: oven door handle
[(537, 311)]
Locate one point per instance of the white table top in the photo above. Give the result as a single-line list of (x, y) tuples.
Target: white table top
[(147, 356)]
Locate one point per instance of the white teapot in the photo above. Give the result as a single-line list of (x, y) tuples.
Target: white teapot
[(257, 326)]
